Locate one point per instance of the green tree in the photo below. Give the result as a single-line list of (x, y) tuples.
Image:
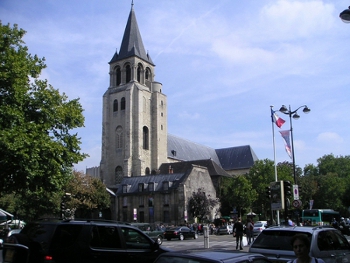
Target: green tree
[(87, 194), (238, 192), (200, 205), (38, 151)]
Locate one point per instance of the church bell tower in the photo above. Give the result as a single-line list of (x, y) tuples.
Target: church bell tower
[(134, 128)]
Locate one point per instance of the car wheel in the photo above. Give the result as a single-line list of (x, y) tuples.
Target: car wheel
[(195, 236), (181, 237), (159, 240)]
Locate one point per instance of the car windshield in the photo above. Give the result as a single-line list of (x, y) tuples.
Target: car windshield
[(276, 240), (258, 225)]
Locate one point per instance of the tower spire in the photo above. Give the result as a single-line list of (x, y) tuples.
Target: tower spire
[(132, 44)]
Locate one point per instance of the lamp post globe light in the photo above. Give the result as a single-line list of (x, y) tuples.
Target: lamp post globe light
[(296, 116), (345, 15)]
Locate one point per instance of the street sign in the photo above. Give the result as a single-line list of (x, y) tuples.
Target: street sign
[(297, 203), (296, 192)]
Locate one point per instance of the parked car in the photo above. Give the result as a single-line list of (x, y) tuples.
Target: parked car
[(327, 243), (229, 229), (68, 241), (180, 233), (211, 256), (258, 228), (221, 230), (156, 235)]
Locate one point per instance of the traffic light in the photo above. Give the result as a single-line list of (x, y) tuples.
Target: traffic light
[(287, 188), (63, 206), (268, 192)]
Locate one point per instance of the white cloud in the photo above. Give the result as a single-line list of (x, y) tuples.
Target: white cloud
[(330, 138)]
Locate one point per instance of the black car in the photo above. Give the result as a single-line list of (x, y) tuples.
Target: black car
[(92, 241), (180, 233), (151, 231), (326, 242), (211, 256)]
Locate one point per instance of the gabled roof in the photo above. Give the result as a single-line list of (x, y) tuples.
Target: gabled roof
[(184, 150), (132, 44), (232, 158), (174, 179), (235, 158), (213, 168)]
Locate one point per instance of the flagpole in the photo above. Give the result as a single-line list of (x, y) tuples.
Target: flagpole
[(274, 161)]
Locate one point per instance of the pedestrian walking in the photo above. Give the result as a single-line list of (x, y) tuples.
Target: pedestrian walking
[(238, 233)]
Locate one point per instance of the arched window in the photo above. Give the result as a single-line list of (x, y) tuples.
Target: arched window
[(145, 138), (118, 174), (148, 74), (115, 105), (122, 104), (147, 171), (128, 73), (119, 137), (119, 76), (139, 71)]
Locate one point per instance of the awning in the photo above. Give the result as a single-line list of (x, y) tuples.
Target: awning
[(251, 214), (110, 191), (6, 213), (3, 216)]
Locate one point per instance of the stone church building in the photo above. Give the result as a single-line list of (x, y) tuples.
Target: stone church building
[(151, 172)]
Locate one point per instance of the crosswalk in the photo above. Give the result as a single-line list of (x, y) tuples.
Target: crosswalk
[(181, 245)]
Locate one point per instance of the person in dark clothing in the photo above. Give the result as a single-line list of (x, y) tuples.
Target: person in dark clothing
[(238, 233)]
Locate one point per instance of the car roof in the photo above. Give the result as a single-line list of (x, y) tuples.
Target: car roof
[(306, 229), (54, 221), (212, 254)]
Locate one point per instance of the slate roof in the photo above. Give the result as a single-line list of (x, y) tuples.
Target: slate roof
[(133, 182), (185, 150), (213, 168), (236, 158), (232, 158), (132, 44)]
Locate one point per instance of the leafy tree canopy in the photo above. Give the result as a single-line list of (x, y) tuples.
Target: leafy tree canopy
[(36, 147), (200, 205), (87, 194)]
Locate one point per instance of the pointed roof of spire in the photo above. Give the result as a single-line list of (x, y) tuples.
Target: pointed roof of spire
[(132, 44)]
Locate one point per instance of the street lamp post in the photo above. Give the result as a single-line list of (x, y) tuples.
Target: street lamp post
[(345, 15), (295, 115)]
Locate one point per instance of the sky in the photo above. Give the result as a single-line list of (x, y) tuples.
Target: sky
[(222, 64)]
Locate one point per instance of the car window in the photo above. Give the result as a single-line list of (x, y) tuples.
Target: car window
[(257, 260), (170, 259), (135, 239), (105, 237), (258, 225), (276, 240), (65, 236), (331, 240), (40, 233)]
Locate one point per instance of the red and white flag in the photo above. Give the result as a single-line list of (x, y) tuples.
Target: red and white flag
[(277, 120), (286, 138)]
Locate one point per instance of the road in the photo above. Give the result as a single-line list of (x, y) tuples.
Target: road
[(222, 242)]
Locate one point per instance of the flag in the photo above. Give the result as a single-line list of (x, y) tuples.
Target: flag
[(286, 138), (279, 121)]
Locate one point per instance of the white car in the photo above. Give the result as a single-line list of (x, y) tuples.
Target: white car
[(230, 229), (258, 228)]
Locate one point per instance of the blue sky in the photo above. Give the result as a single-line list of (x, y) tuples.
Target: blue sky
[(222, 64)]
